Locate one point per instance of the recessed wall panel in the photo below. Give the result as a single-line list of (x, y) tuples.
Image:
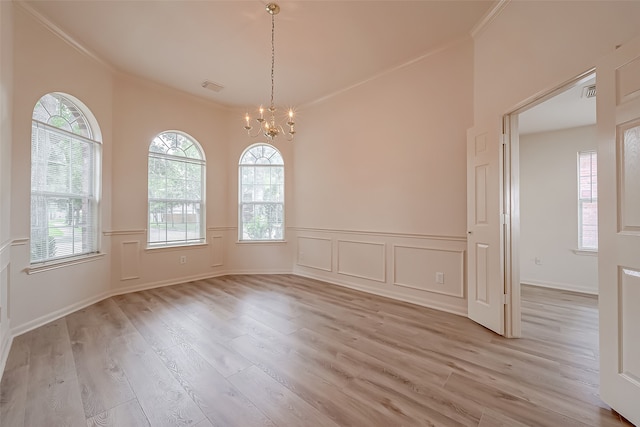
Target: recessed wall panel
[(628, 81), (481, 143), (362, 259), (481, 194), (629, 177), (130, 260), (217, 250), (422, 269), (629, 296), (315, 252), (482, 269)]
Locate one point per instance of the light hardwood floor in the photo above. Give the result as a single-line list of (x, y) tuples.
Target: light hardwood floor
[(288, 351)]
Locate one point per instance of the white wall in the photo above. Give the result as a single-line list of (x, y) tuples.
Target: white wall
[(378, 200), (130, 113), (380, 189), (43, 63), (142, 110), (531, 47), (549, 210), (6, 95)]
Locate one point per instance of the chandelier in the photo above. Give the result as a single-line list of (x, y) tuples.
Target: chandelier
[(268, 126)]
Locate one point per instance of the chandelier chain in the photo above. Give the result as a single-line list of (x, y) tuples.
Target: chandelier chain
[(273, 55), (268, 126)]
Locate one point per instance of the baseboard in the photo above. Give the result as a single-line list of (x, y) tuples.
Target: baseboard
[(163, 283), (387, 294), (5, 346), (560, 286), (50, 317), (55, 315)]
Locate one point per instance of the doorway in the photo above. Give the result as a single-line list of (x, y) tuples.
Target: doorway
[(547, 235)]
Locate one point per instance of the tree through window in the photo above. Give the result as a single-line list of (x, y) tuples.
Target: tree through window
[(176, 185), (261, 194), (65, 180)]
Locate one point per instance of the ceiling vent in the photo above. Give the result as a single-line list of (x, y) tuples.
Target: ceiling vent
[(212, 86), (589, 91)]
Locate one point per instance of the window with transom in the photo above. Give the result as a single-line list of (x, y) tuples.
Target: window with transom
[(176, 191), (65, 180), (261, 194)]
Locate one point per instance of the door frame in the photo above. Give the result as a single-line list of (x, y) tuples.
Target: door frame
[(511, 198)]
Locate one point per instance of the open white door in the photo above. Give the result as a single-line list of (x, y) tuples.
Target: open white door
[(618, 109), (485, 281)]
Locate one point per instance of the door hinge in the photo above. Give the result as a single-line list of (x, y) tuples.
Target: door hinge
[(504, 219), (505, 299), (503, 139)]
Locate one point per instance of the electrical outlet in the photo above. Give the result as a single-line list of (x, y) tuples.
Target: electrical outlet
[(440, 278), (183, 259)]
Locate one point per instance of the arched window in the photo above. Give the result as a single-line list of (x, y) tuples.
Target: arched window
[(261, 195), (65, 179), (176, 190)]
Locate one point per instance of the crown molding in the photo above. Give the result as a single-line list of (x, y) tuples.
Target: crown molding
[(63, 35), (436, 50), (491, 14)]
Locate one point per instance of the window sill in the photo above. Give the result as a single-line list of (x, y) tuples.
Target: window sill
[(585, 252), (53, 265), (260, 242), (176, 247)]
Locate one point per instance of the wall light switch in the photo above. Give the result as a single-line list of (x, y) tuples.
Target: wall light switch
[(440, 278)]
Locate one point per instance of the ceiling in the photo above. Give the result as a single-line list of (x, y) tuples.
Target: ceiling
[(322, 47), (566, 110)]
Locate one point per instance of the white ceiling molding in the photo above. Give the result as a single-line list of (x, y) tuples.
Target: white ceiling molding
[(64, 36), (488, 17)]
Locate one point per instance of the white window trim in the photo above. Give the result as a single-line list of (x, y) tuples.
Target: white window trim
[(202, 240), (241, 203), (583, 250), (96, 141)]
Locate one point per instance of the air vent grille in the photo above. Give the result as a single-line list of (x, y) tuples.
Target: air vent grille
[(589, 91), (212, 86)]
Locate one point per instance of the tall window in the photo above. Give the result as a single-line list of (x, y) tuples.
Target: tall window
[(261, 172), (587, 200), (176, 190), (65, 180)]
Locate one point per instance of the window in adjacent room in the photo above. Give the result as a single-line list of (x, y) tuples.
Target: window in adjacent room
[(65, 179), (176, 191), (261, 194), (587, 200)]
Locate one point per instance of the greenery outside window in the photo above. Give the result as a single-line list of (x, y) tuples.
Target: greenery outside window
[(261, 194), (176, 191), (65, 180)]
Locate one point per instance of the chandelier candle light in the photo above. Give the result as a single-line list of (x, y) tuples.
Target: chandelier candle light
[(269, 127)]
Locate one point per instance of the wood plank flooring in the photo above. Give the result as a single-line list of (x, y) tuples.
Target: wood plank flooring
[(281, 350)]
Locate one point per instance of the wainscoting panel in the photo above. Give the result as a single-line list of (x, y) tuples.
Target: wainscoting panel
[(130, 260), (365, 260), (432, 270), (361, 259), (217, 250), (315, 252), (629, 294)]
